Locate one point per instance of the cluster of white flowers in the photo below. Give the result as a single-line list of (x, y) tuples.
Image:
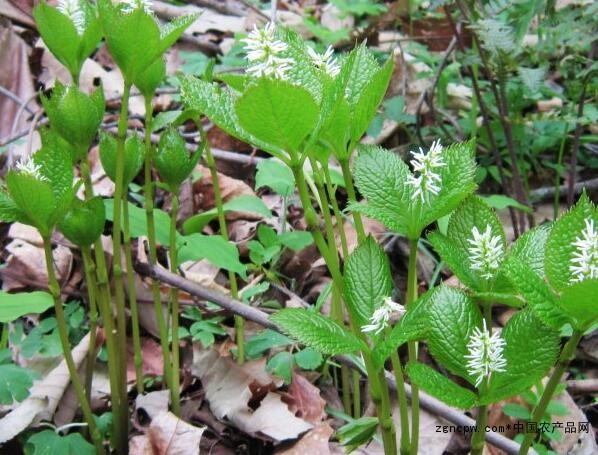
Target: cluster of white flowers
[(584, 263), (27, 166), (132, 5), (72, 9), (485, 354), (263, 51), (381, 316), (486, 251), (325, 61), (428, 181)]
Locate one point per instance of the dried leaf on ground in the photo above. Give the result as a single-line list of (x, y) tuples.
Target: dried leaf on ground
[(44, 397), (304, 400), (313, 442), (169, 435), (152, 404), (228, 388)]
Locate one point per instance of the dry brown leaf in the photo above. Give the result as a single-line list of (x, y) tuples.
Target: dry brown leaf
[(170, 435), (153, 403), (304, 400), (44, 397), (229, 388), (208, 20), (313, 442), (574, 443), (151, 354)]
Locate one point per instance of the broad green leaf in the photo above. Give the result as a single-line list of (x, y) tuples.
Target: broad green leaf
[(15, 382), (281, 365), (138, 222), (34, 198), (455, 258), (535, 291), (286, 114), (150, 79), (214, 248), (516, 410), (134, 156), (264, 340), (560, 248), (296, 240), (55, 165), (452, 318), (578, 301), (9, 212), (172, 159), (275, 175), (84, 223), (317, 331), (369, 100), (529, 248), (308, 359), (411, 327), (357, 433), (219, 106), (367, 280), (244, 203), (363, 67), (49, 442), (531, 350), (13, 306), (439, 386), (500, 201)]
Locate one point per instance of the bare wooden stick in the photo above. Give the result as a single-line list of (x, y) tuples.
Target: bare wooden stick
[(253, 314)]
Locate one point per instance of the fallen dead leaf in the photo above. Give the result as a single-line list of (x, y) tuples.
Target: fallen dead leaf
[(151, 404), (228, 389), (304, 400), (313, 442), (170, 435)]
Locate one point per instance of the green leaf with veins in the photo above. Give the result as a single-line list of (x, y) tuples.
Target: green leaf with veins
[(452, 318), (49, 442), (317, 331), (560, 248), (578, 301), (357, 432), (134, 156), (214, 248), (286, 113), (531, 349), (439, 386), (296, 240), (308, 359), (530, 247), (265, 340), (275, 175), (367, 280), (15, 382), (281, 365)]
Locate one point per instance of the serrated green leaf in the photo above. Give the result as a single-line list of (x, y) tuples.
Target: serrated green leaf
[(439, 386), (150, 79), (317, 331), (35, 200), (281, 365), (455, 258), (172, 159), (49, 442), (134, 156), (529, 248), (367, 280), (13, 306), (84, 223), (531, 349), (308, 359), (535, 292), (560, 248), (362, 69), (578, 301), (244, 203), (452, 318), (357, 432), (264, 340), (214, 248), (286, 113), (15, 383), (9, 212), (275, 175)]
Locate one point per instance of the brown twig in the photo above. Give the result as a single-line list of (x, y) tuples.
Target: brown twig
[(253, 314), (582, 386)]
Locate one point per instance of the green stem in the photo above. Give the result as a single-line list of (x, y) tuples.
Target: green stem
[(402, 397), (4, 338), (377, 382), (90, 279), (137, 357), (151, 240), (567, 354), (175, 394), (412, 345), (119, 438), (121, 328), (54, 289), (346, 169), (232, 276)]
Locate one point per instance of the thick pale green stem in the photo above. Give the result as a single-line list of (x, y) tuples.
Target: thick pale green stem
[(137, 357), (377, 382), (90, 279), (119, 438), (175, 394), (151, 240), (567, 354), (479, 437), (232, 276), (54, 288), (412, 346), (117, 272)]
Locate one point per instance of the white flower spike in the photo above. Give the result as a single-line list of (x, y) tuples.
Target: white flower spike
[(72, 9), (30, 168), (428, 181), (325, 61), (263, 51), (485, 354), (381, 316), (486, 251), (584, 263), (132, 5)]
